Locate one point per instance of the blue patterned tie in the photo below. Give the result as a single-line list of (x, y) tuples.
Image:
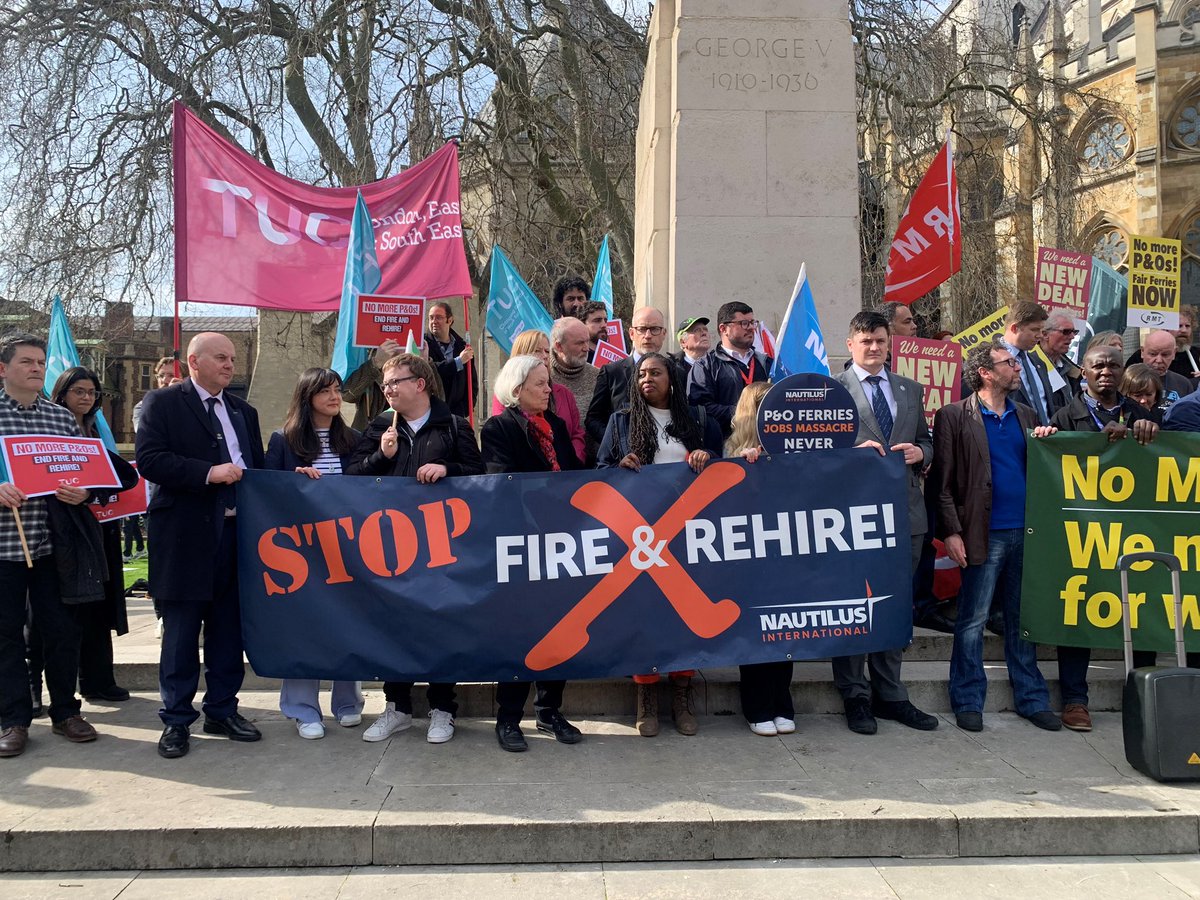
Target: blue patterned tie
[(879, 406)]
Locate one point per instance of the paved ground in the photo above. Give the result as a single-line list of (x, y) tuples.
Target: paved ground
[(1091, 878)]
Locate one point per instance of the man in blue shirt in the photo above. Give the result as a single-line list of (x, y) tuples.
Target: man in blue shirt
[(979, 478)]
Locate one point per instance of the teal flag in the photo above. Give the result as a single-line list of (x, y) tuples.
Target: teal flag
[(62, 354), (602, 283), (362, 277), (1106, 306), (512, 306)]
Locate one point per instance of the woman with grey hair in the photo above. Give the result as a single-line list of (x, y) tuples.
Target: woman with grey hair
[(527, 437)]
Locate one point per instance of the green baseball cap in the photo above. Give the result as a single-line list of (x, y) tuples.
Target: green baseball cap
[(688, 324)]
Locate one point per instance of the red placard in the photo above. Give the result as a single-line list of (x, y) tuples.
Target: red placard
[(616, 334), (606, 353), (39, 463), (132, 502), (1063, 281), (935, 365), (380, 318)]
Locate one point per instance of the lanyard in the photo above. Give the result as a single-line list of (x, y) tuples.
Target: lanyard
[(750, 376)]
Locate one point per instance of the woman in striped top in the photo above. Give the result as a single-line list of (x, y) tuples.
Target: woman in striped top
[(314, 441)]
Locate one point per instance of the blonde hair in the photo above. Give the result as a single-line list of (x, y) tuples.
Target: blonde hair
[(745, 418), (526, 343)]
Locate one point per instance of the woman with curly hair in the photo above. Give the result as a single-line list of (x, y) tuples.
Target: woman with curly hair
[(658, 426)]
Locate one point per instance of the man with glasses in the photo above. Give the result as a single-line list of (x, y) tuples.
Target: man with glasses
[(979, 478), (646, 335), (451, 356), (716, 381), (1056, 340), (418, 437)]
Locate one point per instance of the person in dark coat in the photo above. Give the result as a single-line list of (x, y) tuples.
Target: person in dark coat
[(417, 438), (716, 381), (658, 426), (78, 390), (527, 437), (315, 442), (194, 441), (453, 358)]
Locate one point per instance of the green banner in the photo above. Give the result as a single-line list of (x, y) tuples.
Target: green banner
[(1088, 502)]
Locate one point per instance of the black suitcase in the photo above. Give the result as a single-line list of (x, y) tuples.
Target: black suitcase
[(1160, 711)]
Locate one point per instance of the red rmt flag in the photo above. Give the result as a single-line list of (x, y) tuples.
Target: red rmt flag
[(927, 248)]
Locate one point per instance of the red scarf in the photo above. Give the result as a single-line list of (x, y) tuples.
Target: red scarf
[(544, 435)]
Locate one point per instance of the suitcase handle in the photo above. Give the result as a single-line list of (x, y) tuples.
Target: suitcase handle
[(1171, 561)]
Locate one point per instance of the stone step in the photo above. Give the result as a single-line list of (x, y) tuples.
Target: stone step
[(813, 690), (725, 794)]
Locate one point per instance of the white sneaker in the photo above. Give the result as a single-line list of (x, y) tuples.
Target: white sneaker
[(351, 721), (441, 726), (766, 729), (387, 724), (310, 731), (784, 726), (158, 629)]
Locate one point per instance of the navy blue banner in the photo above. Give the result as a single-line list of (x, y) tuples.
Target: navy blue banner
[(574, 575)]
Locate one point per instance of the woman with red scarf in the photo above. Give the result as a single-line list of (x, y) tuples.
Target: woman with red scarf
[(527, 437)]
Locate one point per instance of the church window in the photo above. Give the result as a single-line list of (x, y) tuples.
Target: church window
[(1185, 130), (1107, 144), (1111, 246)]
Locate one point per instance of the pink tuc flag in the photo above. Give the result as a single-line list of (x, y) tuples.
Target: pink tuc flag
[(246, 235)]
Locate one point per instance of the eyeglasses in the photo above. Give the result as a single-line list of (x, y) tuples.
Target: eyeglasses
[(1069, 332), (1010, 362), (396, 382), (82, 392), (654, 330), (745, 323)]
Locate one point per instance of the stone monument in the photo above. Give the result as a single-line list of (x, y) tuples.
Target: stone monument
[(747, 161)]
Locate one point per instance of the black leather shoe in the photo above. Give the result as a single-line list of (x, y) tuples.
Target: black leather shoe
[(113, 694), (510, 737), (551, 721), (1046, 720), (905, 713), (235, 728), (995, 623), (174, 742), (859, 718), (935, 621), (969, 720)]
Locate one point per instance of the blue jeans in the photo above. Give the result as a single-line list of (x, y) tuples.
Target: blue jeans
[(968, 684)]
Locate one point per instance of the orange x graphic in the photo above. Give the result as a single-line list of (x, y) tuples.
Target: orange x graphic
[(600, 500)]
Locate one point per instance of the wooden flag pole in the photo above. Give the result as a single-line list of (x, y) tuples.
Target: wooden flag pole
[(21, 534)]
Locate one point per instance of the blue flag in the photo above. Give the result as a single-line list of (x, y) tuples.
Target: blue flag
[(602, 283), (362, 277), (512, 306), (800, 346), (62, 354)]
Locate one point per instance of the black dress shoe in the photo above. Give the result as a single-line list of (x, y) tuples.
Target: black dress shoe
[(235, 728), (858, 716), (905, 713), (935, 621), (969, 720), (551, 721), (174, 742), (1046, 720), (510, 737), (113, 694)]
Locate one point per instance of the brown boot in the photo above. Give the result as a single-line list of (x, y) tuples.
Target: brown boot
[(647, 705), (13, 740), (681, 705)]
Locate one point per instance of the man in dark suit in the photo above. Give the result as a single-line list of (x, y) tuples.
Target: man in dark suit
[(647, 334), (1023, 329), (452, 357), (891, 414), (979, 478), (194, 441)]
